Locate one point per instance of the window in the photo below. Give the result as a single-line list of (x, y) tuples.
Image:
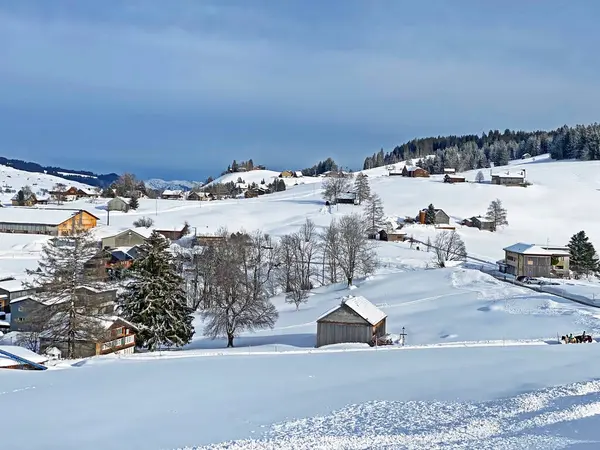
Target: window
[(530, 262), (510, 258)]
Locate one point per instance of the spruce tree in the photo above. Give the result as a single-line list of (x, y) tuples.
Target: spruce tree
[(496, 214), (584, 260), (430, 215), (154, 299), (134, 203), (362, 188)]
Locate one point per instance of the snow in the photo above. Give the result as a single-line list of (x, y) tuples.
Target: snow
[(528, 249), (21, 352), (364, 308), (481, 366), (256, 176)]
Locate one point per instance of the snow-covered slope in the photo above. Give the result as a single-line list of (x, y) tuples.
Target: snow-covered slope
[(257, 176), (160, 185), (481, 368), (14, 179)]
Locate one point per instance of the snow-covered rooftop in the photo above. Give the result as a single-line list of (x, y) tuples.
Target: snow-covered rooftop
[(533, 249), (12, 285), (508, 175), (365, 309), (46, 216), (21, 352)]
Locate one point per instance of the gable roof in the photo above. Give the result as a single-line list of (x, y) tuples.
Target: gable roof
[(361, 306), (528, 249), (21, 352), (177, 192), (43, 216)]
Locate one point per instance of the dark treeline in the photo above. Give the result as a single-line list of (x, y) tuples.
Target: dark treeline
[(320, 168), (474, 152)]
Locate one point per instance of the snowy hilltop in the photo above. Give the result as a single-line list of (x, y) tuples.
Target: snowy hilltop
[(160, 184)]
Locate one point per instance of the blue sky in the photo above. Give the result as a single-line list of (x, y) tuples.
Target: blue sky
[(178, 89)]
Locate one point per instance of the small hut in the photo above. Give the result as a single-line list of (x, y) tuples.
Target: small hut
[(356, 319)]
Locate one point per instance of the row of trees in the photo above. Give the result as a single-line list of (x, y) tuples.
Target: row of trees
[(473, 152)]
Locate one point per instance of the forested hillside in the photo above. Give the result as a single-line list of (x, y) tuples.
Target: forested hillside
[(474, 152)]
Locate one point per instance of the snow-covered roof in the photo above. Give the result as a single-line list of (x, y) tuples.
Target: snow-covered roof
[(532, 249), (508, 175), (21, 352), (347, 195), (4, 323), (89, 191), (174, 192), (12, 285), (411, 168), (298, 173), (363, 307), (449, 170), (45, 216), (143, 231)]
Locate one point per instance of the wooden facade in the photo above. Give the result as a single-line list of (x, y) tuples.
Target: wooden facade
[(440, 216), (508, 180), (48, 221), (454, 179), (414, 172), (344, 325), (127, 238), (174, 234), (536, 261)]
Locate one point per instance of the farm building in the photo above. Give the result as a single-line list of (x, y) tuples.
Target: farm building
[(87, 193), (454, 179), (169, 194), (509, 179), (49, 221), (199, 196), (175, 233), (478, 222), (118, 338), (350, 198), (126, 238), (356, 319), (117, 204), (392, 236), (29, 199), (414, 172), (7, 362), (535, 260), (440, 216)]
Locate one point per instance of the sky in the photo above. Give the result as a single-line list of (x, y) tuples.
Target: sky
[(179, 89)]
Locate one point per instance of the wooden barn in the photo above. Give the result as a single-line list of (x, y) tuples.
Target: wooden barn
[(49, 221), (356, 319), (414, 172), (392, 235), (454, 179)]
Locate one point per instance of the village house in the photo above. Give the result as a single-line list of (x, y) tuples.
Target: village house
[(509, 179), (118, 204), (126, 238), (392, 235), (479, 222), (199, 196), (356, 319), (118, 338), (48, 221), (286, 174), (454, 179), (174, 234), (176, 194), (68, 195), (87, 193), (535, 260), (29, 199), (440, 216), (414, 172), (350, 198)]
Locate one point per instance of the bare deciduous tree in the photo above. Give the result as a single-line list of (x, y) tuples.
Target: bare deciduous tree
[(334, 186), (330, 249), (244, 266), (58, 191), (145, 222), (448, 246), (479, 178), (355, 253)]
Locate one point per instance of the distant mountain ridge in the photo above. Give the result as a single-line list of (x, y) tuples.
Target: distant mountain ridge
[(80, 176), (159, 184)]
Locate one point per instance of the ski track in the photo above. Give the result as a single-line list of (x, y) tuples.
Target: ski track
[(531, 420)]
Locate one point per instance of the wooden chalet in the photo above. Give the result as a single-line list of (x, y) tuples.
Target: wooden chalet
[(392, 235), (48, 221), (176, 194), (454, 179), (199, 196), (174, 234), (356, 319), (414, 172)]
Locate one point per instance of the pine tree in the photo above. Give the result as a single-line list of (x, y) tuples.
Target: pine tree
[(134, 202), (496, 214), (430, 215), (374, 214), (584, 260), (154, 299), (362, 188), (62, 313)]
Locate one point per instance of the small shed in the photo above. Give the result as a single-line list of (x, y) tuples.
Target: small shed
[(117, 204), (356, 319), (350, 198)]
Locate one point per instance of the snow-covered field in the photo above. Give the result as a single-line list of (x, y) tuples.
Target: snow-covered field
[(481, 368)]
